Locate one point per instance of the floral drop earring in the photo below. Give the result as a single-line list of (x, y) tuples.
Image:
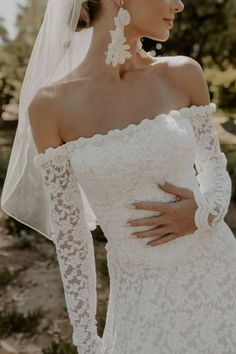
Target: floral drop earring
[(143, 52), (117, 51)]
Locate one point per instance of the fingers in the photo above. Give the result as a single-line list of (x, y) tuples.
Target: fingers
[(164, 239), (153, 206), (150, 221), (156, 231)]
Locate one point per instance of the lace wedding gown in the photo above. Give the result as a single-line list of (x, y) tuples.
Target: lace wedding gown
[(178, 297)]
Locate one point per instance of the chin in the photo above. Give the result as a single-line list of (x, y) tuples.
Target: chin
[(165, 38), (159, 38)]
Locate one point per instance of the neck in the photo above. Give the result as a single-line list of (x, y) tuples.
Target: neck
[(94, 62)]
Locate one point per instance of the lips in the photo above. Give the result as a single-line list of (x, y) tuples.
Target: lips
[(169, 22), (169, 19)]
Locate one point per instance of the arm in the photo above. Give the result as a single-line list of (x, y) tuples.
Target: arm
[(214, 180), (74, 247), (215, 184)]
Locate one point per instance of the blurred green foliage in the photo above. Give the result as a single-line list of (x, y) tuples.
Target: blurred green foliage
[(15, 53), (204, 29), (222, 85)]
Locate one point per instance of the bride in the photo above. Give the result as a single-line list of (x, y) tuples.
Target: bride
[(102, 126)]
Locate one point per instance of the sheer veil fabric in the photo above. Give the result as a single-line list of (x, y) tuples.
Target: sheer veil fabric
[(58, 49)]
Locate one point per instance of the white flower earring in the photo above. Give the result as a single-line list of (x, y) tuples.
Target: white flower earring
[(141, 51), (117, 51)]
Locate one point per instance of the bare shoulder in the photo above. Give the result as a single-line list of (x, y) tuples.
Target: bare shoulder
[(43, 113), (188, 74), (196, 83)]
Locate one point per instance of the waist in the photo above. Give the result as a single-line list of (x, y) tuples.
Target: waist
[(164, 256)]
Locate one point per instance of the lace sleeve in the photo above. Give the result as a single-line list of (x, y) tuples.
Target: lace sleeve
[(215, 184), (74, 247)]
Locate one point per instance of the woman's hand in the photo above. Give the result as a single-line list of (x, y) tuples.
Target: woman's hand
[(176, 218)]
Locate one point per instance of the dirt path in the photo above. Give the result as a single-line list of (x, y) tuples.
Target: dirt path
[(38, 285)]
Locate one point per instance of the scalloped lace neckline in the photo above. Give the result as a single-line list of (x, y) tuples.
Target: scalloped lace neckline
[(98, 138)]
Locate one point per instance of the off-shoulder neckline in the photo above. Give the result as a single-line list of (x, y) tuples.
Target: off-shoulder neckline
[(69, 146)]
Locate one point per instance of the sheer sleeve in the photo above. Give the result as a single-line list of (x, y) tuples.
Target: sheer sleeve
[(74, 247), (215, 185)]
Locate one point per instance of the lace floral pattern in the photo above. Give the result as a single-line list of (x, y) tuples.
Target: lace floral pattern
[(214, 180), (113, 134), (188, 309), (178, 297), (75, 252), (117, 49)]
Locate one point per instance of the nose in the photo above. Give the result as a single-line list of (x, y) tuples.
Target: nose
[(178, 6)]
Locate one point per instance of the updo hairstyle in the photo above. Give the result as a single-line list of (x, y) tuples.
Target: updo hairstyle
[(89, 13)]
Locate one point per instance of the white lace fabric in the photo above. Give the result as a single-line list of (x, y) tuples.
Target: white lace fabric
[(75, 252), (97, 162), (214, 180)]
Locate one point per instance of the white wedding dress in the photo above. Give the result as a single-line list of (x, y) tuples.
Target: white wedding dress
[(175, 298)]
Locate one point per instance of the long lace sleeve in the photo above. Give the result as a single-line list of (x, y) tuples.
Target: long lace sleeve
[(215, 185), (74, 247)]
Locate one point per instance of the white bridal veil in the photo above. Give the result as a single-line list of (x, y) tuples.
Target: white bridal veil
[(58, 49)]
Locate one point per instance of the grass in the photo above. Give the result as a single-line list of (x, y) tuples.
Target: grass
[(6, 276), (60, 346), (14, 322)]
